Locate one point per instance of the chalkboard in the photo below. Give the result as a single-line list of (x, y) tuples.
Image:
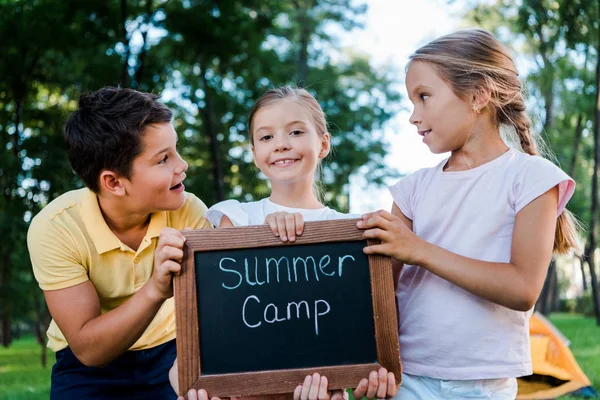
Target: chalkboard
[(255, 315)]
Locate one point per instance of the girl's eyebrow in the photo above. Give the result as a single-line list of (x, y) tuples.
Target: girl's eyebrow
[(417, 88), (294, 123)]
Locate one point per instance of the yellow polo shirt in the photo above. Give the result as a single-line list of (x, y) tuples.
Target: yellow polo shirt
[(69, 243)]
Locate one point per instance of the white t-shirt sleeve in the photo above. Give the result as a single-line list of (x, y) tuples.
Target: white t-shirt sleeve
[(403, 193), (233, 209), (536, 177)]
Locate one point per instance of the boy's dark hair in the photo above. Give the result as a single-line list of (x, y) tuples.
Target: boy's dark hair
[(105, 132)]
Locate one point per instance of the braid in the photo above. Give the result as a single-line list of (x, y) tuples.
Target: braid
[(513, 114)]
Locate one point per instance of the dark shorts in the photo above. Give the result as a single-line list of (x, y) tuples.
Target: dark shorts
[(142, 374)]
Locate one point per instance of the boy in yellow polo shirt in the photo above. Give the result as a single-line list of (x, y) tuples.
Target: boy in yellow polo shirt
[(105, 255)]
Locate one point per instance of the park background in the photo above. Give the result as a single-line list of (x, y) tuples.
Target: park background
[(212, 59)]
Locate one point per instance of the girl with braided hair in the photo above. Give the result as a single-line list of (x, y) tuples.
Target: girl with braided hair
[(472, 237)]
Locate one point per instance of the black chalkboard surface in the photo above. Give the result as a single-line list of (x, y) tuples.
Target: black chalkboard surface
[(256, 315), (271, 308)]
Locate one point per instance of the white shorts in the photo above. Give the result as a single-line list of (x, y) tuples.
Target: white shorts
[(423, 388)]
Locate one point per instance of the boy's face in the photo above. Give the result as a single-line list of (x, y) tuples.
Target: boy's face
[(157, 174)]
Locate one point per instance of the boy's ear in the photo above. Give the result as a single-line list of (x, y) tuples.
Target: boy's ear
[(481, 98), (325, 145), (112, 183)]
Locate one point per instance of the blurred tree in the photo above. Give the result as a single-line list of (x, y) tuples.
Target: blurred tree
[(561, 38), (211, 60)]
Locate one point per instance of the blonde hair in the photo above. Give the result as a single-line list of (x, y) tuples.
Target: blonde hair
[(473, 59), (300, 96), (307, 101)]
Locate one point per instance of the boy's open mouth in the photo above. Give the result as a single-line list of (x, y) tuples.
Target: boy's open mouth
[(178, 186)]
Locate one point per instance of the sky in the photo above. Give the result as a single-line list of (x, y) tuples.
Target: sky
[(392, 32)]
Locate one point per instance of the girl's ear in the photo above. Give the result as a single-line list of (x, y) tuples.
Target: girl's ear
[(481, 99), (254, 157), (325, 145), (112, 183)]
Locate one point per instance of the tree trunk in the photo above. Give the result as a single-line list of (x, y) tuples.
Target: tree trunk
[(142, 56), (594, 215), (583, 277), (41, 326), (207, 112), (125, 67), (5, 330), (544, 303), (305, 32), (576, 145)]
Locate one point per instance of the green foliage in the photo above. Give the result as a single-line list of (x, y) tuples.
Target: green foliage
[(210, 60)]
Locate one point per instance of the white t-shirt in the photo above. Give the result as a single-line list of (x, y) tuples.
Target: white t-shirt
[(445, 331), (255, 212)]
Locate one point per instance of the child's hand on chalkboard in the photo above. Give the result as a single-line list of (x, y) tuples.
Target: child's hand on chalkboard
[(315, 388), (198, 395), (397, 239), (380, 385), (285, 225), (167, 256)]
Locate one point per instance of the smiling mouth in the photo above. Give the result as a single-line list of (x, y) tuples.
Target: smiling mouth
[(425, 133), (283, 163)]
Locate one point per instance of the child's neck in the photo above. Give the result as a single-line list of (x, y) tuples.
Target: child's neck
[(129, 227), (296, 195), (479, 150)]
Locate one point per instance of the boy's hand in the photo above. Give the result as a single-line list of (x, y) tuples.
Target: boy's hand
[(167, 258), (285, 225), (380, 385)]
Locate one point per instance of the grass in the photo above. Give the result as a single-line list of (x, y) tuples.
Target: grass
[(23, 378), (21, 375), (585, 344)]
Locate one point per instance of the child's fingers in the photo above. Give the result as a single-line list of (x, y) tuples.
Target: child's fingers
[(299, 223), (377, 233), (172, 266), (338, 395), (392, 387), (290, 227), (192, 395), (378, 249), (379, 213), (313, 393), (305, 387), (382, 388), (281, 227), (373, 385), (170, 237), (361, 389), (170, 253), (297, 392), (272, 222), (374, 221), (323, 393)]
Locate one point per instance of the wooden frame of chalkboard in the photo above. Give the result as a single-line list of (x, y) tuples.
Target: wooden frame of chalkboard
[(274, 381)]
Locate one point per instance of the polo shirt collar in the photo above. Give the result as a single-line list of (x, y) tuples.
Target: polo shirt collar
[(104, 239)]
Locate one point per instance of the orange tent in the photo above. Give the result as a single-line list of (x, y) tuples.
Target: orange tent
[(555, 370)]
